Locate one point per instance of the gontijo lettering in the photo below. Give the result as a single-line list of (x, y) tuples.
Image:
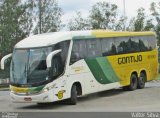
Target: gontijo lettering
[(129, 59)]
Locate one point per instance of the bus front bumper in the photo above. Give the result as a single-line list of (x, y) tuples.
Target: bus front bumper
[(37, 98)]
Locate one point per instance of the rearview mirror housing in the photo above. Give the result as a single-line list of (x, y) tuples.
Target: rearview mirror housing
[(50, 56), (4, 59)]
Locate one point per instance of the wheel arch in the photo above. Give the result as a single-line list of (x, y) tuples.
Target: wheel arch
[(135, 72), (78, 87), (144, 72)]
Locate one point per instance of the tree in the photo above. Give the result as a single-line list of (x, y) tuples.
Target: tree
[(149, 25), (139, 21), (47, 16), (78, 23), (121, 24), (155, 10), (103, 15), (130, 26), (15, 23)]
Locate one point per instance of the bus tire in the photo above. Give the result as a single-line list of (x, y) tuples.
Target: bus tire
[(133, 82), (141, 81), (73, 98)]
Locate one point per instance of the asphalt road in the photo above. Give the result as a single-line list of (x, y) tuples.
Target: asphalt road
[(116, 100)]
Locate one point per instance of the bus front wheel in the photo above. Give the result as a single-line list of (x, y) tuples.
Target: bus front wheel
[(73, 98)]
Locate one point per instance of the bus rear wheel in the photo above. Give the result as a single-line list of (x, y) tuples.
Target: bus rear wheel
[(73, 98), (141, 81), (133, 82)]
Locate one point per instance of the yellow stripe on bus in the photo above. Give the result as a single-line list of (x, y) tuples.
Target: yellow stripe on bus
[(18, 89), (103, 33)]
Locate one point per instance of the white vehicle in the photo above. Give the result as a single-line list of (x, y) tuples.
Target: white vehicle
[(63, 65)]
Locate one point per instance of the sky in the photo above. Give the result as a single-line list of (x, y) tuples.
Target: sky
[(70, 7)]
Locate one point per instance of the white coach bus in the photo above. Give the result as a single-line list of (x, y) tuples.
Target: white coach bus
[(64, 65)]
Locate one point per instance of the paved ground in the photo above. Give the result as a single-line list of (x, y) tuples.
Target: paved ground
[(147, 99)]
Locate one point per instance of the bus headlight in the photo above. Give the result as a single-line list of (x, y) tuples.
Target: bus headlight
[(48, 88)]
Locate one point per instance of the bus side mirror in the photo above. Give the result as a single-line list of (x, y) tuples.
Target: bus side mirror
[(3, 60), (50, 56)]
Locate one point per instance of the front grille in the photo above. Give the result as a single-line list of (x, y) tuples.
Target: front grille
[(26, 93)]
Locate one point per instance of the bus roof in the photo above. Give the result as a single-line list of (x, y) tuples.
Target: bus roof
[(46, 39)]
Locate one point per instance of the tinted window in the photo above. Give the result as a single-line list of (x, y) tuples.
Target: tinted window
[(151, 42), (108, 47), (122, 45), (94, 48), (132, 44), (79, 50), (64, 46), (143, 43)]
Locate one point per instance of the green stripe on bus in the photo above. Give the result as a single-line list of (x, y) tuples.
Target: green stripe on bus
[(102, 70), (83, 37), (35, 89)]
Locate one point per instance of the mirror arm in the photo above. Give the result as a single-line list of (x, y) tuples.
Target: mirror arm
[(3, 60), (50, 56)]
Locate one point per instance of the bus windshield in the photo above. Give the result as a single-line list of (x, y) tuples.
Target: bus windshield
[(29, 65)]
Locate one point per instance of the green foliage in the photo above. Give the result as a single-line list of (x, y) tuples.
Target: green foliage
[(149, 25), (103, 15), (121, 24), (47, 16), (15, 24), (78, 23), (155, 10), (139, 22)]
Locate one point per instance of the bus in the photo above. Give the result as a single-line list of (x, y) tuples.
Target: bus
[(66, 65)]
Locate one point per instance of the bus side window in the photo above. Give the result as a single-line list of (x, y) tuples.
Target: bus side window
[(108, 47), (131, 44), (64, 46), (122, 45), (78, 51), (57, 64), (143, 43), (135, 43), (94, 48), (151, 42)]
